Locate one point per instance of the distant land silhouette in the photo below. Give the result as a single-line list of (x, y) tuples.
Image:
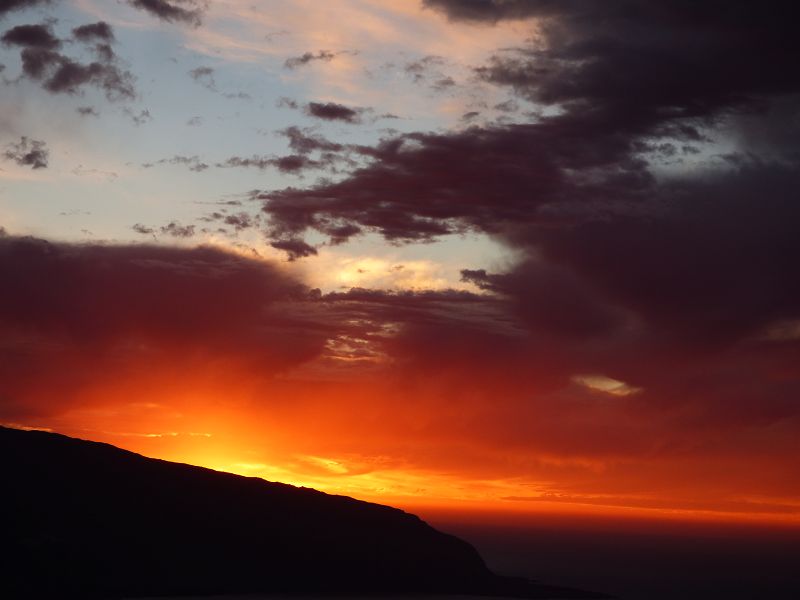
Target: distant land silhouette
[(86, 519)]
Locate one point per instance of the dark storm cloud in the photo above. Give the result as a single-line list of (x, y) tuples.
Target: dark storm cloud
[(551, 300), (189, 12), (674, 12), (455, 338), (331, 111), (58, 73), (307, 57), (705, 258), (292, 163), (67, 76), (78, 312), (92, 32), (623, 270), (660, 60), (7, 6), (81, 313), (294, 248), (28, 153), (305, 141), (712, 267), (483, 179), (104, 52), (631, 80), (492, 10), (295, 163), (31, 36), (182, 11)]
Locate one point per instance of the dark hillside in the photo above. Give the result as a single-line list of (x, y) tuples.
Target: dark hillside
[(84, 518)]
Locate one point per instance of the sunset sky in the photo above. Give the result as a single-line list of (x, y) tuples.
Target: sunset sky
[(518, 255)]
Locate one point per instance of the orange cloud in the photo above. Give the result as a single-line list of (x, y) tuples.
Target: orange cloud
[(439, 398)]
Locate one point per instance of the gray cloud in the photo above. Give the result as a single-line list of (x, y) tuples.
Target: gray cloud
[(42, 61), (28, 153), (189, 12), (7, 6), (308, 57), (31, 36), (331, 111)]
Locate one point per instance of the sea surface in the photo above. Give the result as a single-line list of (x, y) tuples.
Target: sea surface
[(338, 596), (644, 561)]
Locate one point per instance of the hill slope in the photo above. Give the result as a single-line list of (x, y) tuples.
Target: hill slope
[(84, 518)]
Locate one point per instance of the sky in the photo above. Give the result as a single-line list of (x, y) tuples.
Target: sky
[(522, 256)]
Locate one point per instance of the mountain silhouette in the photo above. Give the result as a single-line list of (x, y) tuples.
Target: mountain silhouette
[(86, 519)]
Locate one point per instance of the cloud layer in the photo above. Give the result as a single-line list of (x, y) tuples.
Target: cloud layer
[(637, 163), (648, 256)]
